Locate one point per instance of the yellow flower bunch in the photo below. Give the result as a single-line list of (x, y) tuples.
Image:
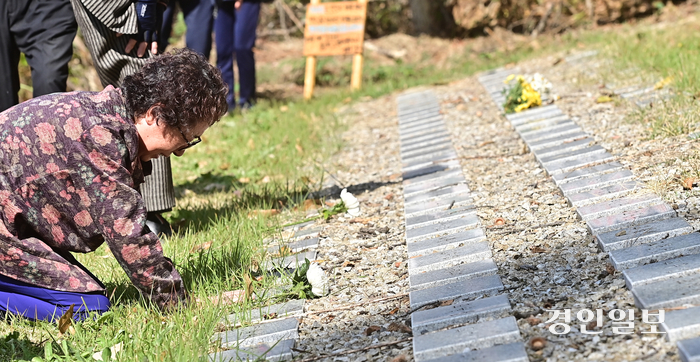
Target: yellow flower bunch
[(521, 95)]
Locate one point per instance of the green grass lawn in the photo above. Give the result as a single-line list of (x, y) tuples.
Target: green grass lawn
[(268, 158)]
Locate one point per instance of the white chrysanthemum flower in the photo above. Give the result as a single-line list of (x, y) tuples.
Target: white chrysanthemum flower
[(539, 83), (350, 202), (317, 279)]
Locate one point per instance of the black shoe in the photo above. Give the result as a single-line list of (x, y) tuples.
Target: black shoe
[(156, 223)]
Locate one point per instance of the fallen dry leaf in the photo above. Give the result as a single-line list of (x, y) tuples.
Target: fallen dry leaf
[(66, 319), (201, 247), (688, 183), (372, 329), (284, 108), (244, 180), (399, 327), (482, 144), (610, 269), (311, 204), (389, 197), (447, 302), (538, 249), (251, 144), (265, 179), (400, 358)]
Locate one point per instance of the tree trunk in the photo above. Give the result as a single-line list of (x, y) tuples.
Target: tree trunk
[(429, 17)]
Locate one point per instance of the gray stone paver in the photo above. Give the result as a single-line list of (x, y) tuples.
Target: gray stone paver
[(574, 154), (295, 247), (452, 274), (561, 166), (542, 134), (439, 216), (682, 324), (429, 160), (446, 258), (414, 183), (475, 336), (281, 310), (662, 270), (442, 203), (429, 170), (426, 196), (444, 242), (512, 352), (644, 233), (628, 218), (604, 193), (689, 350), (277, 352), (439, 148), (659, 250), (668, 293), (270, 333), (539, 124), (556, 140), (429, 143), (424, 321), (441, 180), (470, 221), (586, 172), (595, 181), (563, 148), (615, 206), (428, 125), (459, 291), (426, 138)]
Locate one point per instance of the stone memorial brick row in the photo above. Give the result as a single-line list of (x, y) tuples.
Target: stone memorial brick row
[(657, 251), (270, 332), (450, 266)]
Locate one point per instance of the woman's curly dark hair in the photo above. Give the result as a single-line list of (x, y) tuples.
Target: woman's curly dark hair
[(182, 86)]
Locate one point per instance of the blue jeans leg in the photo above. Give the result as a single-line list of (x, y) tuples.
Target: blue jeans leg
[(244, 33)]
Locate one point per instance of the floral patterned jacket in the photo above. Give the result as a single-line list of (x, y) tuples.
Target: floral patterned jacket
[(68, 176)]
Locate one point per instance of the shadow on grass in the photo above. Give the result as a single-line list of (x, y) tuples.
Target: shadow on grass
[(334, 190), (214, 268), (210, 182), (13, 348)]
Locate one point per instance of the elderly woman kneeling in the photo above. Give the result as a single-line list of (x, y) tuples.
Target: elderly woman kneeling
[(70, 166)]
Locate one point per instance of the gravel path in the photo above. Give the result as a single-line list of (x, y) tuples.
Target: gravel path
[(547, 260)]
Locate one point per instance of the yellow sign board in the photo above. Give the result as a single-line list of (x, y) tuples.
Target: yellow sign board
[(335, 28)]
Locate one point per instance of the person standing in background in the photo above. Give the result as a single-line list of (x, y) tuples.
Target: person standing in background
[(121, 36), (44, 32), (234, 28), (199, 19)]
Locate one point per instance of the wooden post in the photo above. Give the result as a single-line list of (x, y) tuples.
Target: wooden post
[(310, 73), (357, 61)]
